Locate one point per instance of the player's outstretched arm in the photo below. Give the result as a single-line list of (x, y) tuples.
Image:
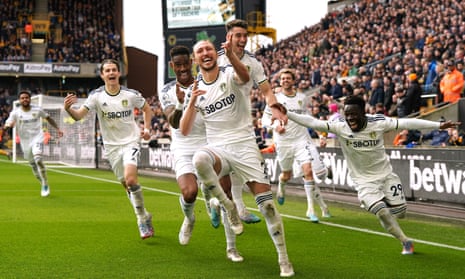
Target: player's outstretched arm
[(419, 124), (309, 121)]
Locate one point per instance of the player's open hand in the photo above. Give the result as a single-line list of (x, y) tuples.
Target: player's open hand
[(449, 124), (70, 99), (279, 112)]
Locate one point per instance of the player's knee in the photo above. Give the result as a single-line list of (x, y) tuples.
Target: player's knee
[(285, 176), (378, 208), (265, 203), (267, 208), (320, 172), (202, 161), (189, 194)]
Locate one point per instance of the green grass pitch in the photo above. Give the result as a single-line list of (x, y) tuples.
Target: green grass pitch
[(86, 228)]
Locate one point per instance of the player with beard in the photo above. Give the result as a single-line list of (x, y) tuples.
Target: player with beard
[(361, 136), (183, 148), (221, 96), (27, 119)]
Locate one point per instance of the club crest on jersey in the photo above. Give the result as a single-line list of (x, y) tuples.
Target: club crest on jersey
[(124, 103), (223, 87), (373, 135)]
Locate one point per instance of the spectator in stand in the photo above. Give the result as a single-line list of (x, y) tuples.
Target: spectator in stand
[(388, 92), (455, 138), (435, 86), (460, 67), (407, 100), (431, 72), (407, 137), (398, 93), (414, 91), (438, 137), (376, 96), (401, 138), (452, 84), (347, 88)]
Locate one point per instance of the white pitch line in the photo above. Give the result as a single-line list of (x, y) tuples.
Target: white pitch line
[(284, 215)]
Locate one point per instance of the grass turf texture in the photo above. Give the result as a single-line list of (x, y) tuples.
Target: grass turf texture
[(86, 228)]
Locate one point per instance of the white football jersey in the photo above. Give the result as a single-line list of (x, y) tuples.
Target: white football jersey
[(225, 108), (364, 151), (298, 104), (116, 114), (255, 67), (28, 123), (196, 137)]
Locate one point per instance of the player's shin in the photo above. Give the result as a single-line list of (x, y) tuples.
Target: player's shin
[(137, 201), (390, 224), (187, 208), (274, 223), (39, 170)]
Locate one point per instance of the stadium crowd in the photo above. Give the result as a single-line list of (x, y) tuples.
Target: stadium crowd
[(396, 54), (88, 33), (376, 46), (15, 44)]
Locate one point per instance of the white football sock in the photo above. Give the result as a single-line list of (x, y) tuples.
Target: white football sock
[(274, 223), (228, 232), (187, 208), (309, 186), (137, 201), (390, 224)]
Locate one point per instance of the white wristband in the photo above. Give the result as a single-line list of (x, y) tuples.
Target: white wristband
[(146, 131), (179, 106)]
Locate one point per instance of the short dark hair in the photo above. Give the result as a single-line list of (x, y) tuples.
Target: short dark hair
[(236, 23), (109, 61), (24, 92), (355, 100), (179, 50)]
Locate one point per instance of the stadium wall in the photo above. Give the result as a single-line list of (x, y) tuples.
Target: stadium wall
[(142, 71), (434, 175)]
